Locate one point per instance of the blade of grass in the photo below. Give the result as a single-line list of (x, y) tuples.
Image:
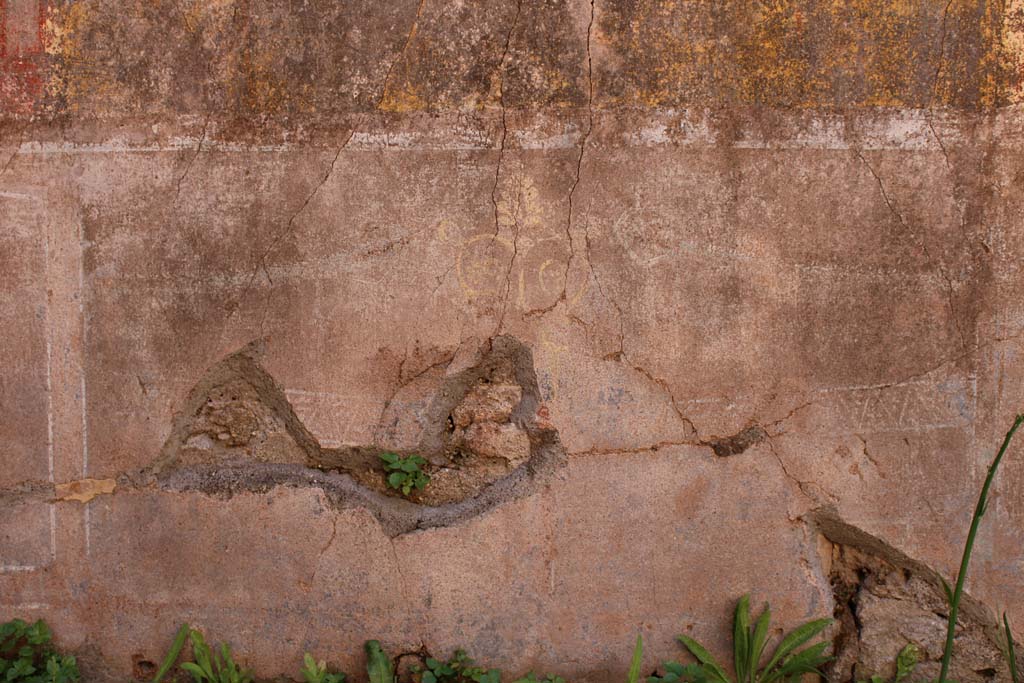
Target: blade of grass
[(741, 639), (172, 656), (795, 639), (979, 511), (634, 666), (1011, 656), (712, 667), (759, 639)]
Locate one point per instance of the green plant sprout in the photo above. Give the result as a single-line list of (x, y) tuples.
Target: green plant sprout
[(460, 668), (906, 662), (406, 473), (956, 594), (634, 666), (214, 667), (532, 678), (785, 665), (378, 665), (172, 655), (316, 672)]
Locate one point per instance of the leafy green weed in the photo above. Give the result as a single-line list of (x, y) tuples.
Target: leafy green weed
[(405, 472), (26, 655), (787, 663)]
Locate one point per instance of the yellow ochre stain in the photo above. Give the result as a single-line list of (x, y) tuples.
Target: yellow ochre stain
[(812, 54), (84, 490), (652, 53)]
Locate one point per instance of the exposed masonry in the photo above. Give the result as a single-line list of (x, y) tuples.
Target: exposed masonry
[(885, 600), (482, 428)]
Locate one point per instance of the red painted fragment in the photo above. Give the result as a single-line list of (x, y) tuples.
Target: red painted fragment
[(22, 55)]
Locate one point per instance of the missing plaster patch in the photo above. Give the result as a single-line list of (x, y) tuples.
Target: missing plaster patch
[(886, 600), (477, 419)]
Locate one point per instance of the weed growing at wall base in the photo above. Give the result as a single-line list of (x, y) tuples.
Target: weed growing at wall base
[(460, 668), (209, 666), (26, 655), (786, 664), (316, 672), (214, 667)]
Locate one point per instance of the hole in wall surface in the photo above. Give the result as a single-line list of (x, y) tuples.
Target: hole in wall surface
[(885, 600), (480, 426), (142, 668)]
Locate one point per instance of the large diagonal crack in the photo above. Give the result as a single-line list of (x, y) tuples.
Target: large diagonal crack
[(937, 265), (261, 260), (261, 264), (497, 174), (14, 153), (504, 114), (579, 159)]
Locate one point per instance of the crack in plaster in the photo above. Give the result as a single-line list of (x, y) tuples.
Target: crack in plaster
[(942, 49), (17, 148), (504, 120), (959, 200), (803, 486), (867, 454), (583, 148), (398, 565), (511, 261), (924, 246), (403, 383), (324, 549), (562, 297), (261, 261), (192, 160)]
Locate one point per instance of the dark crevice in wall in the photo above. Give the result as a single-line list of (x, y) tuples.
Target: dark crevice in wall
[(737, 443), (479, 428), (885, 600)]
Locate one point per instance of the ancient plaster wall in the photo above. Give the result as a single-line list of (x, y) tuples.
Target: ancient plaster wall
[(682, 300)]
